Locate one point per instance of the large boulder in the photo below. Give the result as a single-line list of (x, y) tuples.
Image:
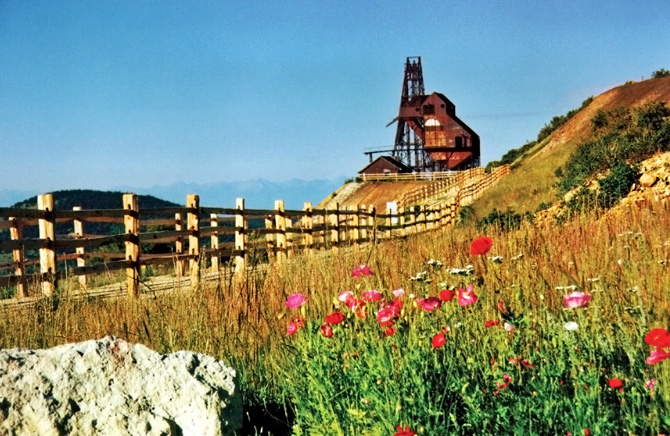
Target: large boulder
[(111, 387)]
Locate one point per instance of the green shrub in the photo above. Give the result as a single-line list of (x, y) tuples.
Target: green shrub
[(507, 220), (660, 73), (616, 185), (620, 135)]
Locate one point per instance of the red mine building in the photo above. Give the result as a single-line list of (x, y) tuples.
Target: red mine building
[(429, 135)]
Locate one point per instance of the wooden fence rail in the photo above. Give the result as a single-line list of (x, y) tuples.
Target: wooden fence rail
[(197, 236)]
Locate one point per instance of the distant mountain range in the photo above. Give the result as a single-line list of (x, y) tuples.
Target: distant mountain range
[(258, 193)]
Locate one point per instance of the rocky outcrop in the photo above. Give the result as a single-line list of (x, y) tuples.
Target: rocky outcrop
[(112, 387)]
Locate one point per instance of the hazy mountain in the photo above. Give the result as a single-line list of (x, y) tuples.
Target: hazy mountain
[(9, 197), (258, 193)]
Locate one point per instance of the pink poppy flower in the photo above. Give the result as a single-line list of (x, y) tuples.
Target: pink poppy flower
[(509, 327), (292, 329), (447, 294), (481, 246), (429, 304), (658, 338), (467, 296), (650, 384), (438, 340), (576, 299), (295, 300), (326, 330), (385, 315), (334, 318), (361, 270), (399, 292), (657, 356), (371, 295)]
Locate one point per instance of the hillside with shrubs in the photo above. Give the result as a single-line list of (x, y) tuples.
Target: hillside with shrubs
[(590, 156)]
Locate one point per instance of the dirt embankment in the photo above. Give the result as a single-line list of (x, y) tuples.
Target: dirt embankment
[(372, 193)]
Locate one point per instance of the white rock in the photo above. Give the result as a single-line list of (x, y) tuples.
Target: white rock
[(111, 387)]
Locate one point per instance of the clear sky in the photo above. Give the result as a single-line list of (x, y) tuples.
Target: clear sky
[(99, 94)]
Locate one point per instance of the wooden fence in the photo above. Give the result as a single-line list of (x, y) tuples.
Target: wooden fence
[(197, 236), (395, 177)]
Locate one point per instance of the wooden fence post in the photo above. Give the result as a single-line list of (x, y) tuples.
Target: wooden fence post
[(307, 226), (193, 225), (280, 224), (45, 202), (335, 227), (289, 236), (180, 265), (401, 221), (355, 225), (131, 220), (214, 241), (269, 240), (389, 222), (422, 219), (364, 223), (18, 256), (241, 226), (79, 233)]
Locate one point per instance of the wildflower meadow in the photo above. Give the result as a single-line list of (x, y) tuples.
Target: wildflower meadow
[(545, 330)]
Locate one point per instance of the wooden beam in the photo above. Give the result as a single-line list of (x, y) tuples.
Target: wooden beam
[(214, 241), (18, 255), (131, 221), (280, 224), (45, 203), (241, 226), (79, 234), (193, 224)]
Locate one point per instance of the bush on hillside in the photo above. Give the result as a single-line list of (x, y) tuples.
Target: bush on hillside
[(616, 185), (503, 221), (559, 120), (620, 135), (660, 73)]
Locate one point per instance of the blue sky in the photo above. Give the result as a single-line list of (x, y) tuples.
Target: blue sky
[(142, 93)]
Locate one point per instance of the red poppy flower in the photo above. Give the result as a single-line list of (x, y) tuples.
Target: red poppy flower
[(491, 323), (481, 245), (447, 294), (371, 295), (658, 338), (430, 303), (334, 318), (299, 321), (326, 330), (292, 329), (405, 432), (615, 383), (438, 340), (390, 330)]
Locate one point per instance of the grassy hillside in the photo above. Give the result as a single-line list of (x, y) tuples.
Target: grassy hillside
[(533, 180)]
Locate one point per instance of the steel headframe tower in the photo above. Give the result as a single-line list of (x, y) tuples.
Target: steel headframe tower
[(409, 147)]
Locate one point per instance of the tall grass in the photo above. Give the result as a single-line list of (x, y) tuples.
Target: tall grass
[(360, 381)]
